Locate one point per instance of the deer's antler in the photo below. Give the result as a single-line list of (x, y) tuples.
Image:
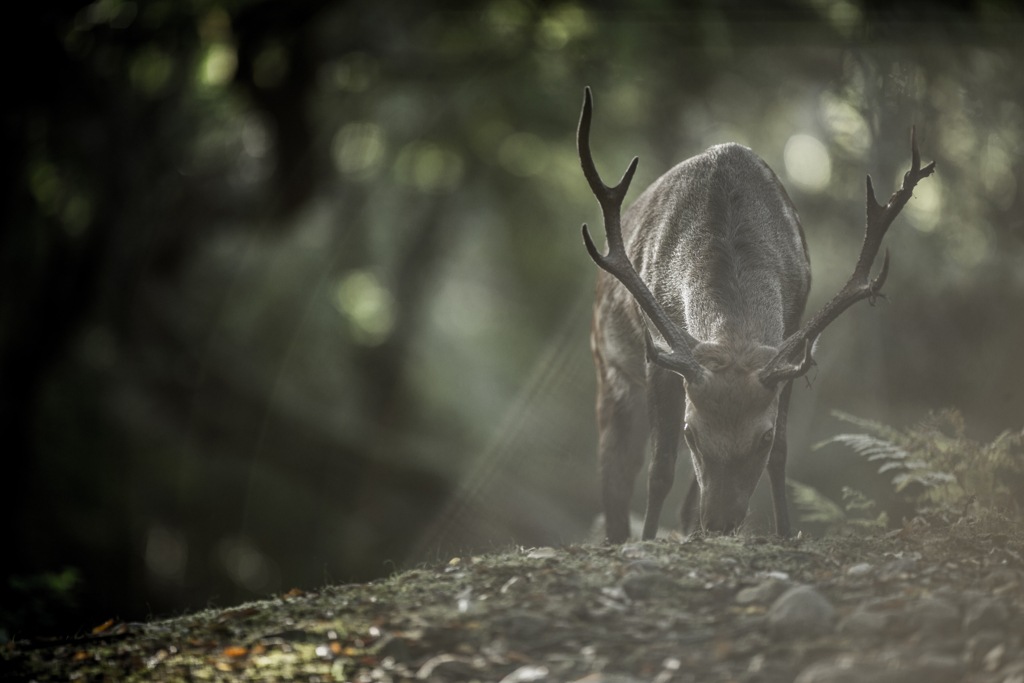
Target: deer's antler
[(782, 367), (680, 357)]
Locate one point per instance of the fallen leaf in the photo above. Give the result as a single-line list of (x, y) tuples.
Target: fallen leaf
[(295, 593), (236, 651), (335, 647), (80, 655), (258, 649), (104, 626), (222, 666)]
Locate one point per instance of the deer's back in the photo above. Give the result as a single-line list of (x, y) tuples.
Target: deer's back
[(720, 245)]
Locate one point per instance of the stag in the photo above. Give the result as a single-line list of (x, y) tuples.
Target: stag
[(713, 256)]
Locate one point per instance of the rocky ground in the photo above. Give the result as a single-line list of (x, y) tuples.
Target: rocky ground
[(935, 601)]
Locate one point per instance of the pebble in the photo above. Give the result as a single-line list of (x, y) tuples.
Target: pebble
[(838, 673), (986, 614), (981, 644), (801, 611), (607, 678), (526, 674), (930, 669), (651, 584), (446, 667), (936, 668), (862, 569), (864, 623), (934, 616), (765, 592), (1005, 578), (522, 624), (642, 566), (897, 569)]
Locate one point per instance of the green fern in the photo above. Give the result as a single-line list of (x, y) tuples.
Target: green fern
[(949, 468), (817, 508)]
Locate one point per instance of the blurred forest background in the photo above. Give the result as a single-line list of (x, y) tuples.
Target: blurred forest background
[(293, 291)]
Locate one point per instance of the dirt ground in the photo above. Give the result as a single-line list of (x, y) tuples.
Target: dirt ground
[(938, 600)]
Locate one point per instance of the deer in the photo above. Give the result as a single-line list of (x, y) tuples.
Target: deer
[(713, 257)]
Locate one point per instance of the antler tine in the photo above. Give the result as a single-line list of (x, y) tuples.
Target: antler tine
[(858, 287), (680, 357)]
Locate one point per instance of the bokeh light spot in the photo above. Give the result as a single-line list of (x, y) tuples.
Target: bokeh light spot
[(246, 565), (506, 17), (561, 25), (997, 173), (369, 307), (924, 210), (428, 167), (358, 148), (151, 70), (807, 162), (218, 68), (352, 73), (46, 187), (847, 126)]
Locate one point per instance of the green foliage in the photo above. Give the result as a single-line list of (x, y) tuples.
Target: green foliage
[(853, 515), (37, 603), (946, 467)]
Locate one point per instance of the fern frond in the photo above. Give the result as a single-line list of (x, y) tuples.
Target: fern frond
[(880, 429), (936, 454), (814, 506)]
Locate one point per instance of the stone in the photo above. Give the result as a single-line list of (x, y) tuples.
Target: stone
[(642, 566), (648, 585), (936, 668), (526, 674), (1002, 578), (838, 673), (446, 667), (897, 569), (521, 624), (929, 668), (857, 570), (862, 623), (607, 678), (934, 616), (980, 644), (801, 611), (989, 613), (764, 592)]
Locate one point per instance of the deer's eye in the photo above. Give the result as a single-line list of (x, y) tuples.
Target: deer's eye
[(767, 438)]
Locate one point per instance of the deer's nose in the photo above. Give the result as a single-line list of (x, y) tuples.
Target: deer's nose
[(724, 519)]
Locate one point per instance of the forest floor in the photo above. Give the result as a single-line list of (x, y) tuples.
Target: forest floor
[(939, 600)]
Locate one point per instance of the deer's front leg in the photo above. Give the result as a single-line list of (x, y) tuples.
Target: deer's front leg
[(777, 465), (665, 397)]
